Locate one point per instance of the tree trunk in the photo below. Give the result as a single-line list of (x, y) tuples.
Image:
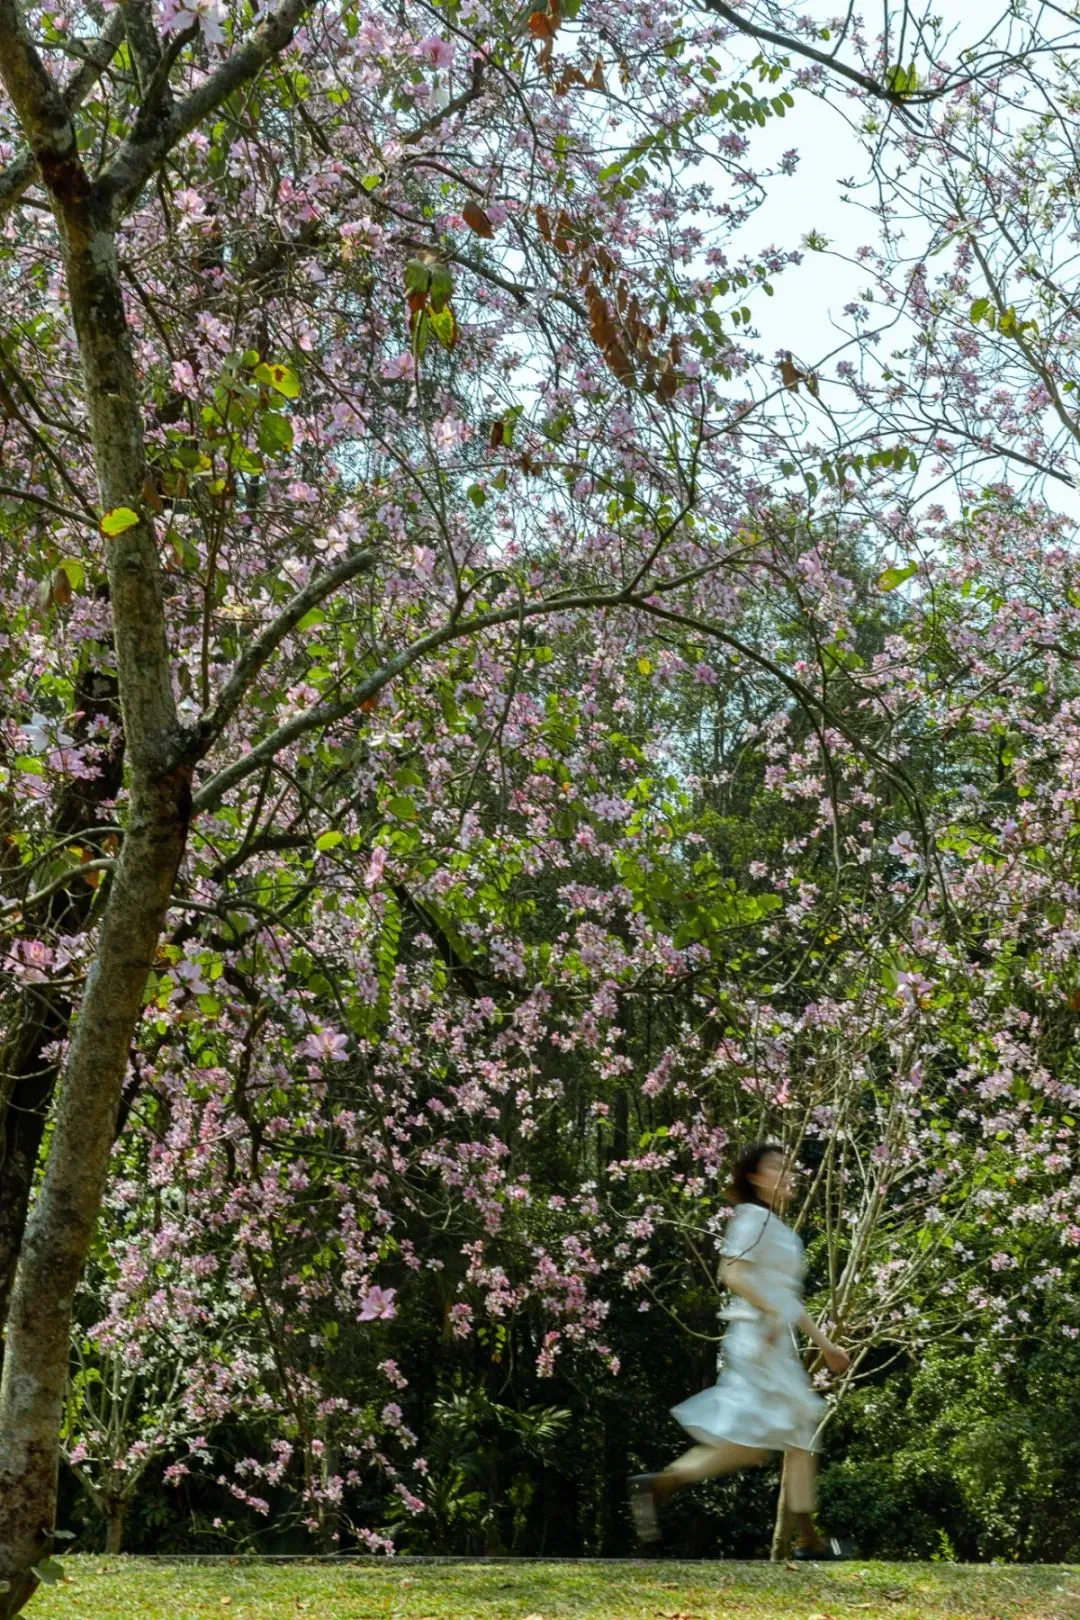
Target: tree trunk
[(114, 1524), (61, 1223)]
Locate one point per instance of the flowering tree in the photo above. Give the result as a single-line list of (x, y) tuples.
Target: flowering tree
[(560, 1022), (265, 380), (360, 367)]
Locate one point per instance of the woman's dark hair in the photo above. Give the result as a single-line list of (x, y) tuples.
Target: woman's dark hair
[(741, 1189)]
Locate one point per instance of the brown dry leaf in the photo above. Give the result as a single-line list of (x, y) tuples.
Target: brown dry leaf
[(812, 383), (541, 25), (570, 77), (477, 220), (543, 220), (619, 361), (151, 496), (790, 374), (61, 588), (668, 385), (597, 80)]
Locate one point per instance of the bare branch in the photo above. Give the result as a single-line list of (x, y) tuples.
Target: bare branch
[(159, 125), (452, 108), (105, 864), (22, 171), (211, 792), (790, 42), (248, 667), (39, 105), (9, 492), (142, 38)]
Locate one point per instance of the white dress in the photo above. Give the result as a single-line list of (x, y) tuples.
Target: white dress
[(762, 1397)]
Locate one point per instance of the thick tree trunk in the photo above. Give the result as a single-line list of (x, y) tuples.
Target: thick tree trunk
[(61, 1223), (160, 755), (114, 1526), (60, 1227)]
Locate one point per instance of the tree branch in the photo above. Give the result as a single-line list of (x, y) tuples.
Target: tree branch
[(452, 108), (788, 42), (159, 125), (252, 661), (22, 171), (142, 38), (9, 492), (212, 791), (323, 714), (39, 105)]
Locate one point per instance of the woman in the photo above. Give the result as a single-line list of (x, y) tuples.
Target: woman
[(762, 1401)]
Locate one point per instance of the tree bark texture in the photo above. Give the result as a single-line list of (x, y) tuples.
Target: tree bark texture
[(61, 1223), (53, 1241), (114, 1526)]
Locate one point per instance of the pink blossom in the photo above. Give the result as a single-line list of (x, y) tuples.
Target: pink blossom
[(439, 52), (378, 1305), (327, 1045)]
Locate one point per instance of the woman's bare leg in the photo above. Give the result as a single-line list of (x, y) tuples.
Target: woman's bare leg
[(649, 1491), (704, 1462), (800, 1487)]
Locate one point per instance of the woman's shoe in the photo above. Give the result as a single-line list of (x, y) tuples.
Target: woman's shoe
[(829, 1552), (643, 1507)]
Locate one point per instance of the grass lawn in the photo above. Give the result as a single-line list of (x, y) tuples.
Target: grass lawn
[(131, 1589)]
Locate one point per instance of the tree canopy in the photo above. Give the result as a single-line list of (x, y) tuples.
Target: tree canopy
[(479, 736)]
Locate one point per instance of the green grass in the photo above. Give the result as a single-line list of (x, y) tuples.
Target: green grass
[(132, 1589)]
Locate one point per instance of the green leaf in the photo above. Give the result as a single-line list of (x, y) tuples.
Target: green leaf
[(477, 494), (892, 577), (329, 840), (980, 309), (281, 378), (902, 81), (275, 434), (372, 182), (442, 286), (444, 326), (116, 520), (29, 764), (402, 807), (75, 572), (417, 276), (49, 1571)]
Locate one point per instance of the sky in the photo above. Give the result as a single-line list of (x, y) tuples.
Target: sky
[(806, 314)]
